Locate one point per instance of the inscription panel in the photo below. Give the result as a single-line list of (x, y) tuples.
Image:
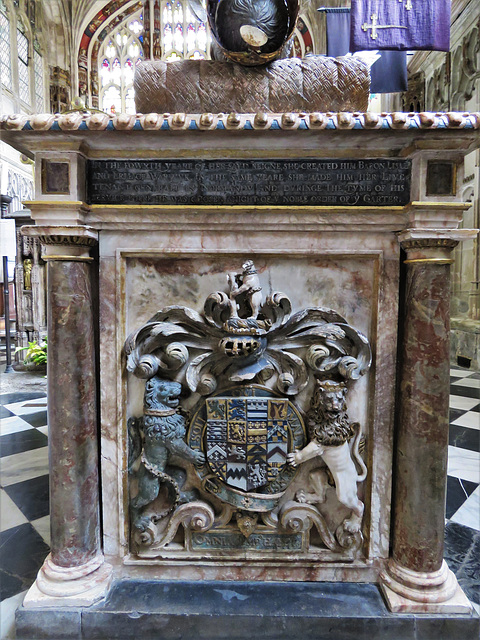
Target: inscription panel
[(373, 182), (221, 540)]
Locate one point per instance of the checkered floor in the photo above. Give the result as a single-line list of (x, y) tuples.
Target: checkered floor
[(24, 519)]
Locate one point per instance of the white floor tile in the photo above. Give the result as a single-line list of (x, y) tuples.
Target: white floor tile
[(459, 402), (470, 419), (476, 607), (460, 373), (7, 615), (43, 430), (468, 382), (464, 464), (14, 424), (10, 514), (42, 525), (469, 512), (24, 466), (27, 406)]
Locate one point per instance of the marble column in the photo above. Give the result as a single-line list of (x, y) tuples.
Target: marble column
[(74, 573), (417, 578)]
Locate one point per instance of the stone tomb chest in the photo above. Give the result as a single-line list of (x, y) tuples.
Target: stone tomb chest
[(233, 390)]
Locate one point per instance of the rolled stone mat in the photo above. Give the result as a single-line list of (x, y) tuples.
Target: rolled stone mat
[(315, 83)]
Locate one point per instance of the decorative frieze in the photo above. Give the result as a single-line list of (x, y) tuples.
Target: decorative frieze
[(84, 120)]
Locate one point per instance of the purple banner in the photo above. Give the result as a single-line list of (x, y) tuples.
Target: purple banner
[(400, 24), (388, 74)]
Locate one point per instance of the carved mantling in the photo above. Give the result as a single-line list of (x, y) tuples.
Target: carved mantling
[(228, 455)]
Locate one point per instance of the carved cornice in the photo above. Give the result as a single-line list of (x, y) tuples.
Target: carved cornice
[(261, 121)]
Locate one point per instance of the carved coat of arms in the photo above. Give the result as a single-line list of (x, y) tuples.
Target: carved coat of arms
[(230, 471), (247, 440)]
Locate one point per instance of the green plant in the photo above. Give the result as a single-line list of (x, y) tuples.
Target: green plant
[(35, 352)]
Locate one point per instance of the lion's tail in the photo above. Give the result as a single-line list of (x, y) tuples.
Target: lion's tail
[(356, 453)]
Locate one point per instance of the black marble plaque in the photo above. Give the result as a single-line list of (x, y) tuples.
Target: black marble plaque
[(55, 177), (372, 182), (441, 178)]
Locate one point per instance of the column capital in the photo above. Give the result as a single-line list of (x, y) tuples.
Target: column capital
[(432, 245), (69, 242)]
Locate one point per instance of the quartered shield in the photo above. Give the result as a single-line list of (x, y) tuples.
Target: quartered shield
[(247, 439)]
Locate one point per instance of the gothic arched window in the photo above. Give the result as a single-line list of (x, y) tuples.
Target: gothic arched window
[(184, 37), (23, 70), (173, 34), (118, 55), (5, 49)]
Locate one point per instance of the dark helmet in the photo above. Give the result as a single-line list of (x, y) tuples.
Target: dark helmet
[(252, 32)]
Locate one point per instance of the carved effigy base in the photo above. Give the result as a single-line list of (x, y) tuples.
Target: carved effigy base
[(409, 591), (79, 586)]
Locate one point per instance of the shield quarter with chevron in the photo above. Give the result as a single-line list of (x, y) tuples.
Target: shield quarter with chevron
[(247, 439)]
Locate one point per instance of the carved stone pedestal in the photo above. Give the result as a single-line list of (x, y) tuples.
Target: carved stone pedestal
[(272, 464)]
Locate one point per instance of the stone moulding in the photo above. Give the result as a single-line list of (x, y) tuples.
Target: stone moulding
[(260, 121)]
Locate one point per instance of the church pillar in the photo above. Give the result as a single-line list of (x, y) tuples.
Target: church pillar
[(74, 573), (417, 578)]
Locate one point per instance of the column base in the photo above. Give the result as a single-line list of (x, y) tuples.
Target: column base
[(81, 586), (407, 591)]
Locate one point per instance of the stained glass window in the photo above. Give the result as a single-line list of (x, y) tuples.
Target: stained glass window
[(181, 36), (39, 88), (117, 58), (23, 79), (5, 50)]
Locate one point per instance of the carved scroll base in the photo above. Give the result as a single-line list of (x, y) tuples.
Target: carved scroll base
[(409, 591), (80, 586)]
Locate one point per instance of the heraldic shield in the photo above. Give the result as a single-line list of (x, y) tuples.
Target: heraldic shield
[(247, 439)]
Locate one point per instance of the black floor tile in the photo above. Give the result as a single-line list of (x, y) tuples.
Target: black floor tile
[(456, 413), (5, 413), (469, 573), (9, 585), (458, 542), (464, 437), (22, 552), (456, 495), (9, 398), (31, 497), (475, 376), (464, 392), (22, 441), (38, 419)]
